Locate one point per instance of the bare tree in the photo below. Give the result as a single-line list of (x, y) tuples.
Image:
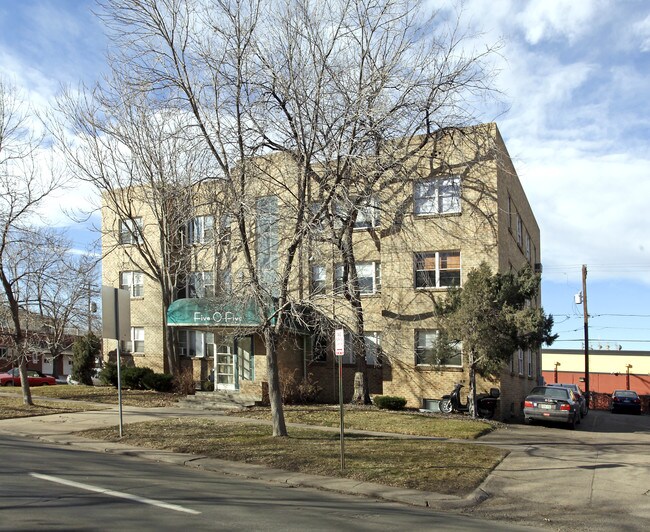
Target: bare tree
[(23, 188)]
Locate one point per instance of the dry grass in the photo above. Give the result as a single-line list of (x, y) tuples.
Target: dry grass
[(411, 423), (409, 463), (106, 395), (13, 407)]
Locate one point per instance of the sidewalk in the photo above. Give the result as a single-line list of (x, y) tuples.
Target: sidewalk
[(61, 428)]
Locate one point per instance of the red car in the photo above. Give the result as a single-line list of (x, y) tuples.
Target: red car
[(35, 378)]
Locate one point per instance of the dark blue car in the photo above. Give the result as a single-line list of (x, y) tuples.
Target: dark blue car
[(627, 401)]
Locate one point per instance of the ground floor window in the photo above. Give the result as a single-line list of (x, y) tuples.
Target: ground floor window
[(432, 350), (196, 344)]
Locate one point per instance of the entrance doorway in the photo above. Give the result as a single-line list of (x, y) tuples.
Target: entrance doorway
[(225, 368)]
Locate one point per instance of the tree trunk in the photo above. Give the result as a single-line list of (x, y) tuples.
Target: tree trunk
[(273, 377), (24, 382)]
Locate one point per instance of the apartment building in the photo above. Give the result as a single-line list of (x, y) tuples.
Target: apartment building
[(459, 204)]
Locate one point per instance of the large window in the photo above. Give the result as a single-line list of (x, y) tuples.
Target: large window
[(368, 273), (196, 344), (437, 269), (133, 282), (437, 196), (200, 230), (131, 231), (317, 279), (200, 284), (371, 343), (432, 350)]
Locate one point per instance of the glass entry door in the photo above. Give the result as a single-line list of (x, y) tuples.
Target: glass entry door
[(225, 368)]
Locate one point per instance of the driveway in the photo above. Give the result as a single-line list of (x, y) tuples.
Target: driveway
[(594, 478)]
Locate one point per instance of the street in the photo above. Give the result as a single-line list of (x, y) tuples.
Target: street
[(50, 487)]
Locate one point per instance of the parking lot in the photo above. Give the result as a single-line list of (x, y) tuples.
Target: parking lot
[(594, 478)]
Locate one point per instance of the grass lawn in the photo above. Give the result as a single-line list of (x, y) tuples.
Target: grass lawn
[(13, 407), (103, 394), (442, 467)]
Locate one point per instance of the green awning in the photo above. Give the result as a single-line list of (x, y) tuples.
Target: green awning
[(206, 312)]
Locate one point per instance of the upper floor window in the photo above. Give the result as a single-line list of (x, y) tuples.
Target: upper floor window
[(520, 230), (368, 214), (200, 230), (527, 247), (529, 362), (368, 274), (520, 361), (431, 351), (200, 284), (317, 279), (437, 269), (133, 282), (509, 213), (131, 231), (437, 196)]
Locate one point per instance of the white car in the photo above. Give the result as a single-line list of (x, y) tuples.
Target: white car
[(95, 378)]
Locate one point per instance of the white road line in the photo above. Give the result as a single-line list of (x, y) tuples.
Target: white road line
[(120, 494)]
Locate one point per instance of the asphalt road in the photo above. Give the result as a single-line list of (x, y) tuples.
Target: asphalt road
[(48, 487), (596, 478)]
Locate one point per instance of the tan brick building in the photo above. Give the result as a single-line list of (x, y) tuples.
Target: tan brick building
[(461, 203)]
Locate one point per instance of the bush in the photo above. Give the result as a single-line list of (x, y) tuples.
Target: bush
[(184, 382), (134, 377), (390, 402), (159, 382), (298, 391), (108, 375)]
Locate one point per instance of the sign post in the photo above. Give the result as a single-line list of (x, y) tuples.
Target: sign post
[(116, 324), (339, 346)]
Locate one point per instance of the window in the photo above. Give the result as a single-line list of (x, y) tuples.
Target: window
[(200, 284), (520, 228), (131, 231), (317, 347), (368, 274), (512, 363), (529, 362), (133, 282), (200, 230), (196, 344), (527, 248), (520, 361), (437, 196), (509, 213), (4, 352), (226, 232), (439, 269), (432, 350), (267, 241), (372, 348), (317, 279), (367, 214), (136, 345)]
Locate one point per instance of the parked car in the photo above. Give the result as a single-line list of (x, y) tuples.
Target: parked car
[(550, 403), (626, 401), (34, 377), (584, 404), (94, 377)]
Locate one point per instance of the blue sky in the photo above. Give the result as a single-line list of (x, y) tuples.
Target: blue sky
[(574, 78)]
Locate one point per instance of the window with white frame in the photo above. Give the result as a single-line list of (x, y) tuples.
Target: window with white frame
[(136, 345), (200, 230), (520, 361), (368, 274), (432, 350), (437, 196), (317, 279), (520, 229), (200, 284), (133, 282), (196, 344), (437, 269), (529, 362), (368, 214), (371, 344), (131, 231)]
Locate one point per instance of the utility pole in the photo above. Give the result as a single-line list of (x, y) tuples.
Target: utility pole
[(586, 324)]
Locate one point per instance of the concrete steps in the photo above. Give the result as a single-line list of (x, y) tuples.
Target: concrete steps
[(220, 400)]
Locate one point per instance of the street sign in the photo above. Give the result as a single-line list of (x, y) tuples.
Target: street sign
[(116, 312), (339, 342)]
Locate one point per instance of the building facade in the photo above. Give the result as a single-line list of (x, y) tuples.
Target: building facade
[(459, 204)]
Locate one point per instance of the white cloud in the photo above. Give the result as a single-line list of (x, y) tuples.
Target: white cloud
[(641, 34)]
